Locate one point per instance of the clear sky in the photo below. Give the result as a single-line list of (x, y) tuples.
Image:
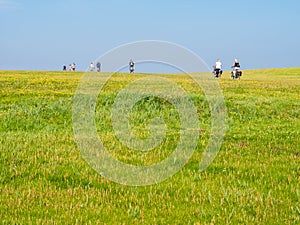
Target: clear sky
[(44, 35)]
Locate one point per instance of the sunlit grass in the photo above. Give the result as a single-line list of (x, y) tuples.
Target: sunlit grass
[(255, 178)]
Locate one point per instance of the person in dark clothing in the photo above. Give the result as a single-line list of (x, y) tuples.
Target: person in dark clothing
[(236, 65), (236, 72), (98, 66), (131, 66)]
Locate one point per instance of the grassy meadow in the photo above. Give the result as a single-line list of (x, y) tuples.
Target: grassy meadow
[(255, 178)]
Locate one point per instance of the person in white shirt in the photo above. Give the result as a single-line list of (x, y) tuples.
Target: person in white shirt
[(218, 68), (92, 67), (73, 67)]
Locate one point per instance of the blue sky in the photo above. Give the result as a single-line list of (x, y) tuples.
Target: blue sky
[(44, 35)]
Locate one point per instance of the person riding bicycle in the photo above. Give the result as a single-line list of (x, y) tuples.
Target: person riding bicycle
[(236, 65), (218, 68), (236, 72)]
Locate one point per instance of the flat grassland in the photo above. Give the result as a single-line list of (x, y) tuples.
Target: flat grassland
[(255, 178)]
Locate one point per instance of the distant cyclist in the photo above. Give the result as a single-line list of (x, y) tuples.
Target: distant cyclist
[(236, 72), (218, 68), (236, 65)]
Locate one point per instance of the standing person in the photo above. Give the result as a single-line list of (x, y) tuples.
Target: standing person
[(70, 67), (64, 68), (73, 67), (98, 65), (92, 67), (131, 66), (218, 68)]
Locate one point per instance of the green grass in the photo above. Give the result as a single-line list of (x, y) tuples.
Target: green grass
[(255, 179)]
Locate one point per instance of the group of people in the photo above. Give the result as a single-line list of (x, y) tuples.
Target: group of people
[(92, 67), (98, 67), (236, 72), (72, 67), (217, 68)]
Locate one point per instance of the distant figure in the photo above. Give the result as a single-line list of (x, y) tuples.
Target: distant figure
[(64, 68), (98, 65), (236, 73), (218, 68), (236, 65), (73, 67), (131, 66), (92, 67), (70, 67)]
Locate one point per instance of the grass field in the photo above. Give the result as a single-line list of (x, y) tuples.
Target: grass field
[(255, 179)]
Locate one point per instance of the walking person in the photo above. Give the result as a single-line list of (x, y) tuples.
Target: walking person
[(131, 66), (98, 66), (74, 67), (92, 67)]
